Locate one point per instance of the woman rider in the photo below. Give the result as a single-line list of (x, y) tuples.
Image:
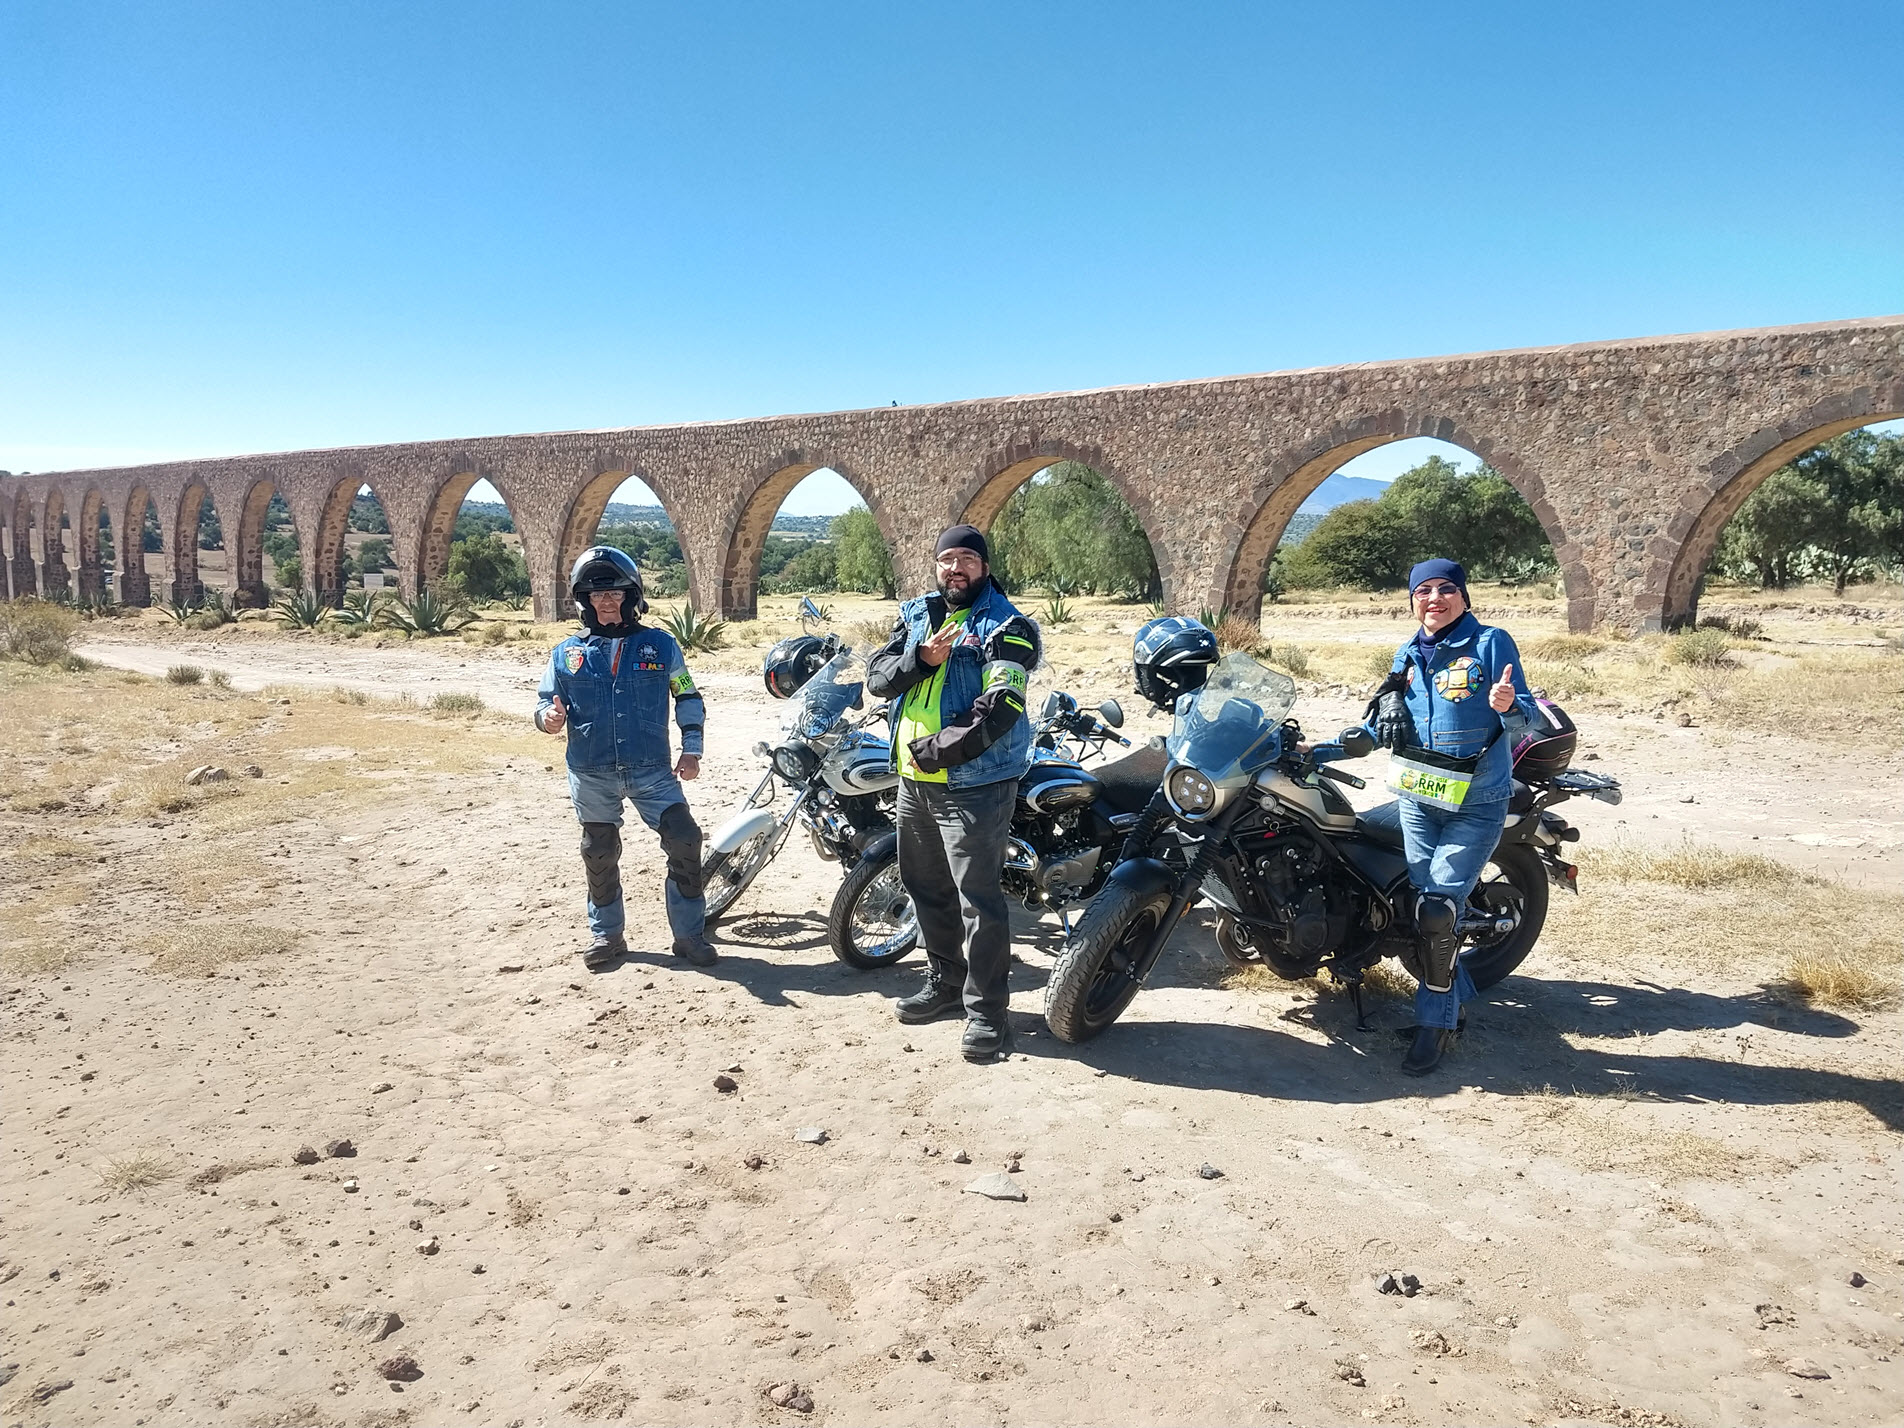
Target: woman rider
[(1450, 710)]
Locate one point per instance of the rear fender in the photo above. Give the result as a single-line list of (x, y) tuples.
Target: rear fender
[(738, 829)]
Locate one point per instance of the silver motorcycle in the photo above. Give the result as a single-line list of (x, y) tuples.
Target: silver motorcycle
[(837, 770)]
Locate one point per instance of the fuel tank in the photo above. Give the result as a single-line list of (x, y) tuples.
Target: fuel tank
[(859, 763), (1054, 786), (1319, 802)]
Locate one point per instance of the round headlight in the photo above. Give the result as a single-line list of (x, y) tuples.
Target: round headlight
[(1190, 793), (795, 762)]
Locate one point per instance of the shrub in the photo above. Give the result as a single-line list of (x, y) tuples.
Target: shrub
[(185, 674), (220, 679), (1238, 632), (495, 633), (429, 614), (1740, 627), (1708, 648), (456, 702), (695, 632), (1292, 658), (36, 630), (1057, 611), (298, 610)]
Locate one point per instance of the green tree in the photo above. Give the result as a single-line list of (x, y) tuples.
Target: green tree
[(862, 561), (1364, 543), (485, 568), (1838, 511), (151, 538), (371, 555), (1765, 540), (1068, 530), (366, 514), (211, 535), (814, 568)]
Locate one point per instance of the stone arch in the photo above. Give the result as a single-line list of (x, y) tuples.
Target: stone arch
[(1297, 474), (55, 578), (768, 486), (576, 533), (1676, 570), (997, 479), (25, 579), (181, 555), (439, 525), (91, 572), (128, 538), (244, 545), (325, 572)]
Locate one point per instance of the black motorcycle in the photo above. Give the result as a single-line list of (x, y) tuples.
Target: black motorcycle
[(1299, 880), (1068, 826)]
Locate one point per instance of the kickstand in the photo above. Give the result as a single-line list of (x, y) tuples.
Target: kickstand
[(1064, 921), (1361, 1011)]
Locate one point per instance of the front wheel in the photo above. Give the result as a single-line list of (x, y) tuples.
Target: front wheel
[(872, 923), (1514, 881), (725, 876), (1094, 979)]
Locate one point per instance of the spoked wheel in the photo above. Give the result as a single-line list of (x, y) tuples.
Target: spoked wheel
[(725, 876), (1094, 979), (1233, 942), (1513, 885), (872, 923)]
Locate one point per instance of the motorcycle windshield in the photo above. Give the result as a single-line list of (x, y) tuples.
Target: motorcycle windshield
[(832, 691), (1232, 724)]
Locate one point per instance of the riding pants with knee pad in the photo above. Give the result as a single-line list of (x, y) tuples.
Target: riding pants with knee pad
[(598, 795), (1446, 852)]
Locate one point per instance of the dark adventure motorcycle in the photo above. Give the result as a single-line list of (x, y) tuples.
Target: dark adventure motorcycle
[(1299, 880), (1068, 825)]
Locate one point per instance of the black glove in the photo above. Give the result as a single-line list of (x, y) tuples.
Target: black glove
[(1388, 712)]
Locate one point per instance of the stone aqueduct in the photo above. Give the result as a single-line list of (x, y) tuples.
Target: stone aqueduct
[(1634, 455)]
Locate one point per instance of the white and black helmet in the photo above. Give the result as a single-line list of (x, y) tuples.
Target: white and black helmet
[(1170, 657)]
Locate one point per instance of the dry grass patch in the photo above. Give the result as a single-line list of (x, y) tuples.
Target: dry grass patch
[(140, 1170), (1385, 981), (1620, 1132), (1689, 865), (1826, 980), (1565, 649), (201, 948)]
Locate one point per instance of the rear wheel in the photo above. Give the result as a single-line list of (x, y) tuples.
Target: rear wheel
[(872, 923), (725, 876), (1093, 981), (1513, 883)]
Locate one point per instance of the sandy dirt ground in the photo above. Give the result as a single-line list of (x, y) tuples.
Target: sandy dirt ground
[(1639, 1193)]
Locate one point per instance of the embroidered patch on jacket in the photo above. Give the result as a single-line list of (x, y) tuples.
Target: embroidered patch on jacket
[(648, 658), (1459, 679), (573, 659)]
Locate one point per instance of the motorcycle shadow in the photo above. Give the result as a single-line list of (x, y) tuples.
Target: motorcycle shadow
[(1516, 1044)]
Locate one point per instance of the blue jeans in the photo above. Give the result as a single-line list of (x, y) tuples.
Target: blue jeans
[(597, 795), (1446, 852)]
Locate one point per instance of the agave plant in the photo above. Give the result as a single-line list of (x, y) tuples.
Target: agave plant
[(177, 614), (298, 610), (366, 610), (695, 632), (429, 614), (1057, 610)]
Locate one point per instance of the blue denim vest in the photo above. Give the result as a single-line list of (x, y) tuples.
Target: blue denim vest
[(617, 698), (1011, 755), (1448, 700)]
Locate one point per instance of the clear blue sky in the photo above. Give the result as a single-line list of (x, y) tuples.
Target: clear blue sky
[(245, 227)]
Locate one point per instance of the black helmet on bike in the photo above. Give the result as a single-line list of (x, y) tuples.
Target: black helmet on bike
[(1170, 657), (603, 567), (791, 663)]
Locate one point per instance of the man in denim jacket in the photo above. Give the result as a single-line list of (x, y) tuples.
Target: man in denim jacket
[(1454, 694), (610, 687), (956, 667)]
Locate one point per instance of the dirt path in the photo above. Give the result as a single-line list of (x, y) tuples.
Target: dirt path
[(1637, 1195)]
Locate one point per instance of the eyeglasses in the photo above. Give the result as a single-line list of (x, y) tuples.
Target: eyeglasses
[(1429, 592)]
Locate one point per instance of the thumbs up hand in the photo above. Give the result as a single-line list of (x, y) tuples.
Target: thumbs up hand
[(1500, 696), (555, 716)]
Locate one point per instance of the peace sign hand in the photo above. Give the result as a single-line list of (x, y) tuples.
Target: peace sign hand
[(1500, 696)]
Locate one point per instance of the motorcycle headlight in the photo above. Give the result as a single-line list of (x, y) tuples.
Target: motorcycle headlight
[(1190, 793), (795, 762)]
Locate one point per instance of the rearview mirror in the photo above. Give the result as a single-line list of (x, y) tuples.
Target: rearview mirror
[(1112, 713), (1356, 742), (1053, 703)]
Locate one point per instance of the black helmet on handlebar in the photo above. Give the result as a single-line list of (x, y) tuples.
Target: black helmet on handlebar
[(791, 663), (1170, 657)]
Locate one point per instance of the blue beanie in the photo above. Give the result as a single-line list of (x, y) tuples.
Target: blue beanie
[(1448, 570)]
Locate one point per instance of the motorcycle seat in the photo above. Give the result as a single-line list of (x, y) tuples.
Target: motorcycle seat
[(1130, 781), (1521, 799), (1382, 826)]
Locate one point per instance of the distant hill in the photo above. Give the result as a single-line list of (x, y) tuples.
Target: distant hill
[(1338, 490)]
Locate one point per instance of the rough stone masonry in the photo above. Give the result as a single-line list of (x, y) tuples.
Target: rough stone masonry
[(1634, 454)]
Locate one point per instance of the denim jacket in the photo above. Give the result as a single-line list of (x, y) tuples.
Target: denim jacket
[(616, 691), (1447, 698), (1008, 756)]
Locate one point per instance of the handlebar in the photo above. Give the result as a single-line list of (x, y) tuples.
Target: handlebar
[(1337, 776)]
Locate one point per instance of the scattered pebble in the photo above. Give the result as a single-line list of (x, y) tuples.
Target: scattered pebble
[(1433, 1341), (339, 1149), (1298, 1306), (924, 1356), (375, 1325), (1032, 1324), (1209, 1171), (811, 1135), (1117, 1217), (959, 1157), (45, 1392), (1805, 1368), (253, 771), (753, 1162), (725, 1083), (1857, 1281), (206, 773), (381, 1087), (429, 1246), (350, 1187), (996, 1186), (508, 967), (1410, 1285), (1507, 1321), (790, 1395), (400, 1369), (1350, 1372), (305, 1155), (1387, 1284), (477, 1269)]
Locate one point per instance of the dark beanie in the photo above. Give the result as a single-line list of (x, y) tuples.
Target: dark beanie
[(971, 537), (1448, 570)]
